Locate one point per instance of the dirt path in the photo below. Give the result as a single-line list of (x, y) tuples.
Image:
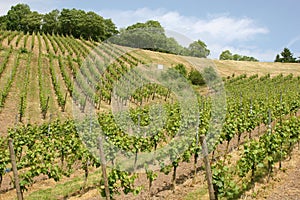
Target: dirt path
[(285, 183)]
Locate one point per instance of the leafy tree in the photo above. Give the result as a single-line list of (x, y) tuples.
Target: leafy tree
[(32, 22), (151, 24), (278, 59), (181, 69), (110, 29), (92, 26), (50, 22), (69, 20), (149, 35), (3, 22), (247, 58), (15, 16), (286, 56), (226, 55), (198, 49)]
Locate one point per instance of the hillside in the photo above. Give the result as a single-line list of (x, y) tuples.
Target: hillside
[(48, 77), (35, 67)]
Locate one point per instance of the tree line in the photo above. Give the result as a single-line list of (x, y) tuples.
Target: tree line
[(89, 25), (151, 35), (78, 23), (286, 56), (227, 55)]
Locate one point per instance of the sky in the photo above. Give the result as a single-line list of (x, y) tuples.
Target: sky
[(254, 28)]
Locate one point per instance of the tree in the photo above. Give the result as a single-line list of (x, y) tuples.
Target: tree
[(3, 22), (198, 49), (150, 24), (286, 56), (226, 55), (110, 29), (92, 26), (51, 23), (149, 35), (15, 16), (32, 22), (181, 69), (70, 20)]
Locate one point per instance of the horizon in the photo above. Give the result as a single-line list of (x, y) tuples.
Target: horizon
[(241, 27)]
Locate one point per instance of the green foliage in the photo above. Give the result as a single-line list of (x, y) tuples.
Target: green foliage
[(120, 181), (51, 23), (196, 78), (286, 56), (227, 55), (210, 75), (198, 49), (224, 185), (3, 22), (15, 17), (151, 36), (181, 69), (77, 23), (252, 157)]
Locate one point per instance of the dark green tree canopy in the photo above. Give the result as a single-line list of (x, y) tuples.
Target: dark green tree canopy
[(196, 77), (15, 16), (51, 23), (151, 35), (77, 23), (227, 55), (286, 56)]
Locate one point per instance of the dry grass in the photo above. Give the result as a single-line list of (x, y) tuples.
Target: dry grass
[(224, 67)]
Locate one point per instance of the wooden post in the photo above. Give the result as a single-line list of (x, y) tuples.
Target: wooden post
[(83, 107), (21, 109), (103, 166), (64, 107), (207, 168), (14, 167), (47, 105)]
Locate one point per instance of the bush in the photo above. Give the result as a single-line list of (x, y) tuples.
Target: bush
[(196, 78), (181, 69)]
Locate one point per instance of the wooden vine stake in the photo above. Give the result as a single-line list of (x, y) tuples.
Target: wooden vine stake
[(14, 167), (103, 166), (207, 168), (65, 102), (47, 106), (196, 152)]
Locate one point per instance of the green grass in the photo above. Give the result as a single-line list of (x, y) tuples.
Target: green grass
[(197, 194), (60, 191)]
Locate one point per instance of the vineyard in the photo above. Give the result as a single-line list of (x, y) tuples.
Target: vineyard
[(49, 82)]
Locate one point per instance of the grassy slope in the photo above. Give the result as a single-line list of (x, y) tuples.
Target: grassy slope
[(224, 67)]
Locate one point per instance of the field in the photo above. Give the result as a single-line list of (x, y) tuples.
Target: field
[(47, 82)]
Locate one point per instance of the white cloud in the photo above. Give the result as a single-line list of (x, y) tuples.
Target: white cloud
[(219, 32)]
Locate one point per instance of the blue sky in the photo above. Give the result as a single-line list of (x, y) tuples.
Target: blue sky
[(255, 28)]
